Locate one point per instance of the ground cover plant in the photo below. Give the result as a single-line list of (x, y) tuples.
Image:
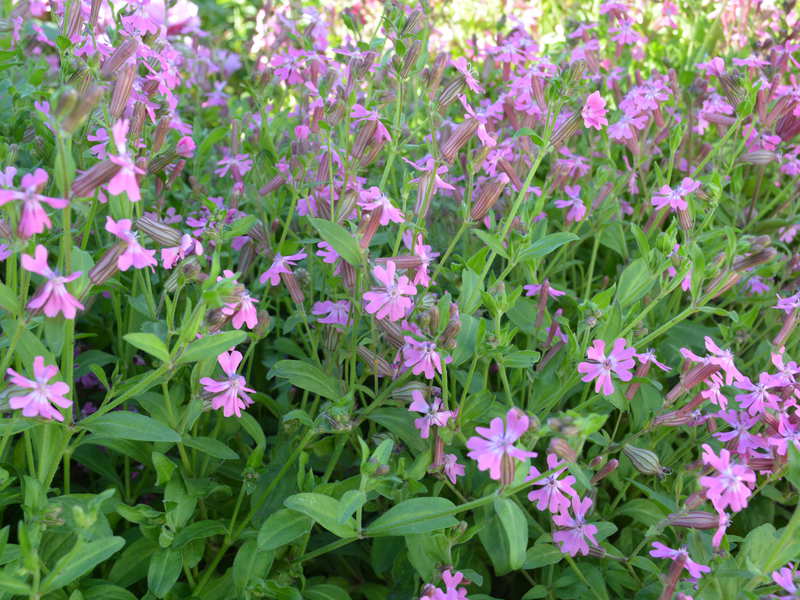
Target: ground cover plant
[(323, 300)]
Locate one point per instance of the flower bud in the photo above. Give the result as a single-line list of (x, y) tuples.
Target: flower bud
[(450, 92), (645, 461), (458, 139), (695, 376), (365, 135), (391, 332), (563, 450), (448, 338), (607, 469), (507, 168), (414, 23), (105, 268), (567, 129), (436, 72), (789, 324), (507, 470), (760, 257), (758, 157), (85, 104), (410, 58), (160, 233)]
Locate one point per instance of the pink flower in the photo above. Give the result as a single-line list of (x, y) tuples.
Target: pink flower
[(280, 264), (37, 402), (619, 361), (722, 358), (238, 165), (421, 357), (675, 199), (462, 66), (188, 245), (338, 313), (424, 252), (625, 128), (231, 394), (499, 442), (99, 149), (33, 218), (742, 424), (785, 578), (594, 111), (577, 210), (373, 200), (534, 289), (243, 308), (730, 487), (359, 113), (575, 531), (759, 397), (433, 414), (650, 357), (451, 592), (53, 296), (390, 300), (452, 469), (483, 135), (787, 305), (787, 432), (681, 555), (125, 179), (553, 493), (134, 255), (185, 147)]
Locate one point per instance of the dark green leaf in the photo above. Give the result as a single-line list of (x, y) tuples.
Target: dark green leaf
[(212, 346), (130, 426), (149, 343), (340, 240), (417, 515), (83, 557), (283, 527), (197, 531), (211, 447), (324, 510), (164, 570), (307, 377)]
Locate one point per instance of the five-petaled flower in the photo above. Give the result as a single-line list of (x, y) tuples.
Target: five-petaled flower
[(392, 300), (594, 111), (575, 532), (280, 264), (600, 367), (730, 486), (38, 400), (33, 218), (230, 394), (681, 555), (134, 255), (433, 414), (125, 179), (496, 443), (53, 296), (553, 493)]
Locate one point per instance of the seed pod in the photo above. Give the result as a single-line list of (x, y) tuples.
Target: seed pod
[(99, 174), (414, 23), (789, 324), (106, 267), (458, 139), (273, 184), (404, 261), (436, 72), (119, 57), (71, 25), (760, 257), (411, 58), (137, 121), (645, 461), (391, 332), (758, 157), (66, 102), (695, 376), (731, 88), (450, 92), (507, 168), (160, 233), (122, 90), (448, 338), (487, 197), (694, 519), (94, 13), (507, 470), (365, 135), (85, 104), (378, 364), (568, 128)]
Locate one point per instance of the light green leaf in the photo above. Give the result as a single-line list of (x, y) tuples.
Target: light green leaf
[(8, 299), (149, 343), (340, 240), (307, 377), (164, 570), (130, 426), (417, 515), (83, 557), (211, 447), (513, 521), (283, 527), (211, 346), (197, 531), (325, 591), (635, 281), (547, 244), (324, 510)]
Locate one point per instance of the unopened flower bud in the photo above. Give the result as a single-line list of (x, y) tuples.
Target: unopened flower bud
[(435, 73), (185, 147), (507, 470), (448, 338), (607, 469), (645, 461), (291, 283), (563, 450), (789, 324), (695, 376), (66, 102), (760, 257)]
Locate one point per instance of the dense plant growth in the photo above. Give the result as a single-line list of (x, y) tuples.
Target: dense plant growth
[(391, 300)]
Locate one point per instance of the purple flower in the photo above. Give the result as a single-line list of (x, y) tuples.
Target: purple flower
[(38, 401), (497, 442), (421, 357), (33, 218), (231, 393), (534, 289), (785, 578), (462, 66), (730, 486), (135, 254), (242, 309), (280, 264), (577, 210), (619, 361), (452, 469), (787, 304), (188, 245), (575, 531), (554, 491), (681, 555), (594, 111), (125, 179), (741, 423), (338, 313), (483, 135), (373, 200), (391, 300), (53, 296), (433, 415)]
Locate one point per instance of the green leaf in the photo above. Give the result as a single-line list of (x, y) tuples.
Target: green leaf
[(324, 510), (635, 281), (520, 359), (793, 472), (211, 346), (547, 244), (399, 422), (541, 555), (307, 377), (283, 527), (250, 563), (211, 447), (340, 240), (197, 531), (325, 591), (471, 288), (8, 299), (107, 591), (149, 343), (164, 570), (164, 467), (83, 557), (350, 502), (492, 241), (513, 521), (11, 584), (417, 515), (130, 426)]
